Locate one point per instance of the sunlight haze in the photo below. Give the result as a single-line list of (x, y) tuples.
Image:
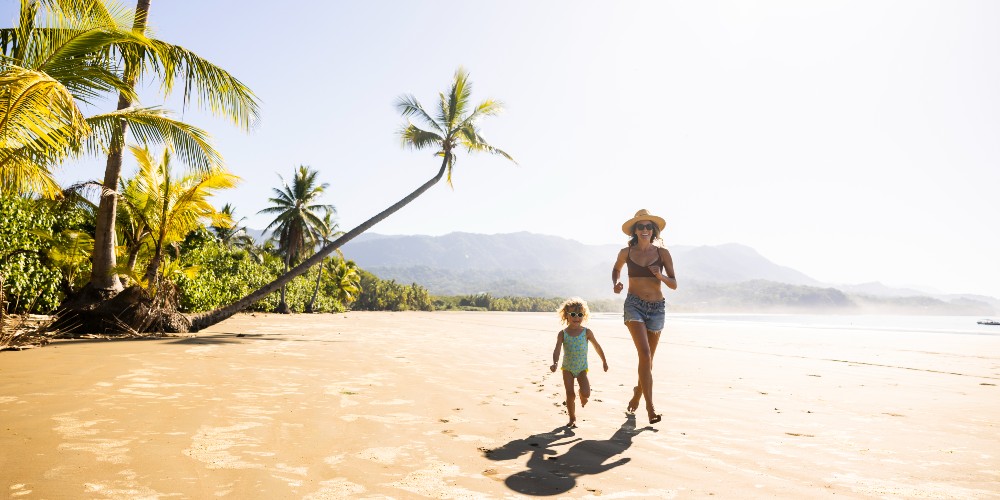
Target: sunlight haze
[(852, 141)]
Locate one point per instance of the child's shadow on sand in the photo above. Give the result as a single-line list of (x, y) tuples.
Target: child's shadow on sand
[(549, 473)]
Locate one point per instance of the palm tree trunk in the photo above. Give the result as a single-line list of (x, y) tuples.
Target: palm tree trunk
[(282, 304), (319, 279), (133, 256), (209, 318), (103, 276), (153, 268)]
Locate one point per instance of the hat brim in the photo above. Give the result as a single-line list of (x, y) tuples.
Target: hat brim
[(627, 226)]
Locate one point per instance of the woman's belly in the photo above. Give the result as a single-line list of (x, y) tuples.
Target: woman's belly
[(647, 289)]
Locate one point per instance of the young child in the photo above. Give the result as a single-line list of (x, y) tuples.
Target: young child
[(573, 339)]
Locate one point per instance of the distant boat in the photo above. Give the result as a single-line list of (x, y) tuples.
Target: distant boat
[(988, 322)]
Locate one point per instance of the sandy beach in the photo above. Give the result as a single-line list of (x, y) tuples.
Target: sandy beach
[(462, 405)]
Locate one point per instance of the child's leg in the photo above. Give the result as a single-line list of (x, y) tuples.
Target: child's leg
[(584, 388), (570, 397)]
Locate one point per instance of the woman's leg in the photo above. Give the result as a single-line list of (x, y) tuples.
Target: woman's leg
[(654, 340), (570, 397), (641, 340)]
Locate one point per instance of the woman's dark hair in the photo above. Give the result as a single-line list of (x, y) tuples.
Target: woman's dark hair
[(634, 239)]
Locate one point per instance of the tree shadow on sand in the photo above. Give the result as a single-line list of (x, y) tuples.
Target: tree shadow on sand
[(549, 473)]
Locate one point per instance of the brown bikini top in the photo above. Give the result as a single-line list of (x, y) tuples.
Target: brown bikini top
[(637, 271)]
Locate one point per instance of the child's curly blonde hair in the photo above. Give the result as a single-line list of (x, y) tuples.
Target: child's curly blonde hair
[(573, 303)]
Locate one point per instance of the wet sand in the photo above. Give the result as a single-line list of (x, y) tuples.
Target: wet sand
[(462, 405)]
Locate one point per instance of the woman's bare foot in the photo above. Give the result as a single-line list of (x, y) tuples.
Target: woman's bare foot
[(634, 403), (571, 424), (583, 401)]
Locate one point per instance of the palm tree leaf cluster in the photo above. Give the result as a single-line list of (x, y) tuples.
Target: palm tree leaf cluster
[(64, 52), (454, 124), (165, 207)]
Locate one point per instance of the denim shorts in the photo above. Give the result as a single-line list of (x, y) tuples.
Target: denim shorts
[(650, 313)]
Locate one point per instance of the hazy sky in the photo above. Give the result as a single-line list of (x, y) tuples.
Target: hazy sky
[(853, 141)]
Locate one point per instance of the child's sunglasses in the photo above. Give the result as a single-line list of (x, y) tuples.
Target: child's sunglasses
[(574, 314)]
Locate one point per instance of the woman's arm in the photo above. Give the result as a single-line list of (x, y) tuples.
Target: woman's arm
[(668, 264), (616, 271)]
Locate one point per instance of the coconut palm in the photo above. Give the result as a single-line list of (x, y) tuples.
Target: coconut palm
[(93, 48), (455, 126), (327, 233), (169, 206), (213, 87), (297, 224), (347, 277), (66, 52)]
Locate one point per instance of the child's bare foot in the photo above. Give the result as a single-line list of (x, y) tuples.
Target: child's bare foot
[(634, 403)]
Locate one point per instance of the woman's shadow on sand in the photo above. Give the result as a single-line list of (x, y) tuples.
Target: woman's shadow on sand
[(549, 473)]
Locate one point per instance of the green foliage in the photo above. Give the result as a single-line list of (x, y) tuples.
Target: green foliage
[(224, 276), (33, 277), (228, 274), (381, 295), (487, 302)]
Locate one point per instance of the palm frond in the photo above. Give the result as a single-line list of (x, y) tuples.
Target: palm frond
[(416, 138), (408, 106), (153, 125), (458, 97), (212, 86), (23, 176), (74, 41), (40, 125)]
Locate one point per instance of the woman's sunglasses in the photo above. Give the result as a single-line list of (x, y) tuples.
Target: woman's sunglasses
[(574, 315), (644, 226)]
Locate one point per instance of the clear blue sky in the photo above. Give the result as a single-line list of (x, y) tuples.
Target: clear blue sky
[(852, 140)]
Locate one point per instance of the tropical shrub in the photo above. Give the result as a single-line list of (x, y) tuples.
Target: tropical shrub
[(382, 295), (36, 268), (228, 274), (224, 275)]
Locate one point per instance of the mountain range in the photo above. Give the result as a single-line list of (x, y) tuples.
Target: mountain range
[(713, 278)]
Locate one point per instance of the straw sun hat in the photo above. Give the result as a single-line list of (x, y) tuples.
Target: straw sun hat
[(643, 215)]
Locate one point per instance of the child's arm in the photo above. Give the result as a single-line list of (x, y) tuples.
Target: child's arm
[(555, 352), (597, 347)]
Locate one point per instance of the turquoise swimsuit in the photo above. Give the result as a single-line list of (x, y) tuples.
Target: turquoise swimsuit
[(575, 353)]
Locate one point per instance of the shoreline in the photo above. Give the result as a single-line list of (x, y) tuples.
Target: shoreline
[(461, 404)]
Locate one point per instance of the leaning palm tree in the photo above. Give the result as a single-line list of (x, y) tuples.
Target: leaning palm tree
[(297, 224), (453, 127)]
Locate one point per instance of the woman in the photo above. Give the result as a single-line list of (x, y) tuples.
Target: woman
[(648, 266)]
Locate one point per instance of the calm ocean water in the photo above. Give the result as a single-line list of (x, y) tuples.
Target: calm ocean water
[(937, 324)]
